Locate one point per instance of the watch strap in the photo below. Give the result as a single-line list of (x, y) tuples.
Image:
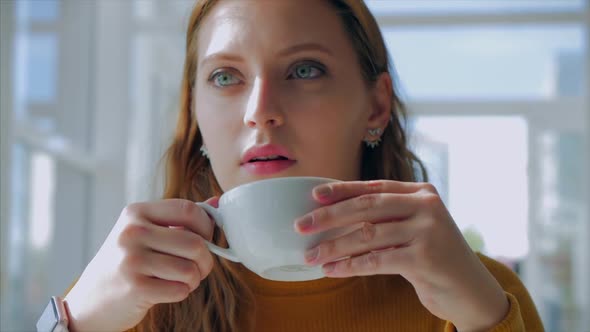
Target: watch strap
[(55, 317)]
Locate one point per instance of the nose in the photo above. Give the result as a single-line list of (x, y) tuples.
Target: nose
[(263, 109)]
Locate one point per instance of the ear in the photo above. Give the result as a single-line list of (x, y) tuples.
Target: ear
[(381, 102)]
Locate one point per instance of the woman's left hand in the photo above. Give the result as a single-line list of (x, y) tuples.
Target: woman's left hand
[(404, 228)]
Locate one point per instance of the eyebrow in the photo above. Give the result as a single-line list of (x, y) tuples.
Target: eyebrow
[(220, 56), (305, 47), (289, 50)]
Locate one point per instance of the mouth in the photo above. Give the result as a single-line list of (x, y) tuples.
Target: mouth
[(269, 166), (267, 159), (266, 153)]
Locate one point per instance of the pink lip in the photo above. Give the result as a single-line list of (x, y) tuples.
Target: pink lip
[(266, 167), (265, 151)]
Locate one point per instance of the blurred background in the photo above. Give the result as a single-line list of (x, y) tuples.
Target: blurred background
[(500, 112)]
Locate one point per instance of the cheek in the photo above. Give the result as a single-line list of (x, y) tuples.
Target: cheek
[(333, 128), (333, 132), (219, 134), (215, 117), (336, 118), (327, 150)]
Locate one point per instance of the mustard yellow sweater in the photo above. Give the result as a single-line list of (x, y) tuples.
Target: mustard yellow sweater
[(357, 304)]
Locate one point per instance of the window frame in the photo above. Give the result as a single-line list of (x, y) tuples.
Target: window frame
[(6, 35), (104, 103)]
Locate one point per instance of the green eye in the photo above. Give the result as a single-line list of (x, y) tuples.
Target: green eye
[(223, 79), (307, 71)]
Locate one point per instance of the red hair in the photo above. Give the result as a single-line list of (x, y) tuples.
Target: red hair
[(214, 305)]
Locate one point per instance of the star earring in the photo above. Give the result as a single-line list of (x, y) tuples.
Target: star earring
[(204, 151), (376, 134)]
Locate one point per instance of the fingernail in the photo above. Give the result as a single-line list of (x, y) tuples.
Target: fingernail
[(304, 223), (323, 191), (312, 254)]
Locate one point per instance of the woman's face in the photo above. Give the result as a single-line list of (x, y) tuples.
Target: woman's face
[(284, 77)]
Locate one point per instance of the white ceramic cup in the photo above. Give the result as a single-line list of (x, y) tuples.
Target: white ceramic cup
[(258, 221)]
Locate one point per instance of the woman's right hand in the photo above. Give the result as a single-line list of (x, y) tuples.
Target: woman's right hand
[(155, 253)]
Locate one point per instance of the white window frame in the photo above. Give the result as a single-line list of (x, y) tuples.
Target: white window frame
[(112, 104), (6, 35), (107, 102)]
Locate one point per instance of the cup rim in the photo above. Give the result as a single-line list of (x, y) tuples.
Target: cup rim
[(279, 179)]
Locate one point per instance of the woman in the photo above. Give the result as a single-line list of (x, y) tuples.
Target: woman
[(307, 82)]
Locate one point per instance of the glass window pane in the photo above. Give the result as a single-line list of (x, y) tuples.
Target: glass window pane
[(143, 9), (489, 62), (42, 191), (34, 10), (13, 297), (22, 293), (41, 82), (36, 68), (560, 228), (485, 195), (49, 209), (482, 168), (472, 6), (176, 11)]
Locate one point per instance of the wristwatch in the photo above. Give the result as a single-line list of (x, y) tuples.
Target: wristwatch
[(55, 317)]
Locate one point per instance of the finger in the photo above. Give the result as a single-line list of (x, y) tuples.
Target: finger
[(174, 212), (390, 261), (165, 267), (366, 208), (178, 242), (155, 290), (338, 191), (370, 237)]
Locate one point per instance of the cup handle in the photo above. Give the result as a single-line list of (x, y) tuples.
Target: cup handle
[(223, 252)]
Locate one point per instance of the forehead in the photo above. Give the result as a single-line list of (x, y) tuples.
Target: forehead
[(271, 25)]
